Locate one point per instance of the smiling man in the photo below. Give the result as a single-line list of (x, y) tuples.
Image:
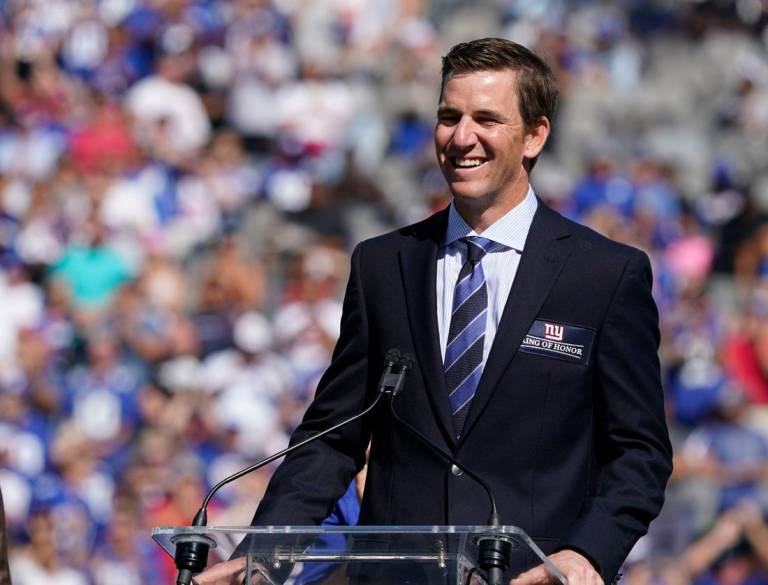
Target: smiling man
[(535, 340)]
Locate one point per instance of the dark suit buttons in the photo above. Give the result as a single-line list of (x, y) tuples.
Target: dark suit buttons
[(456, 471)]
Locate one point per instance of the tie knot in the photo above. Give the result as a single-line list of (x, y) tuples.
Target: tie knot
[(478, 247)]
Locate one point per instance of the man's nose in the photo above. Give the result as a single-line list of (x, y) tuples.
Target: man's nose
[(465, 133)]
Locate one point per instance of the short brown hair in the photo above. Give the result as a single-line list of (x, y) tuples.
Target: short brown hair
[(537, 88)]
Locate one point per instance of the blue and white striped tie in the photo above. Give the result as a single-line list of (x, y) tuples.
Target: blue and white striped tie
[(466, 335)]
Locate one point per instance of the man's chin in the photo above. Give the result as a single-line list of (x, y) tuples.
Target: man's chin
[(469, 195)]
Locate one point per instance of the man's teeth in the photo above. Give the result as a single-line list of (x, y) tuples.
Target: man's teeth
[(467, 162)]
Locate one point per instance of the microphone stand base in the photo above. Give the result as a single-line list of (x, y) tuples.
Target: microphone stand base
[(493, 556), (191, 555)]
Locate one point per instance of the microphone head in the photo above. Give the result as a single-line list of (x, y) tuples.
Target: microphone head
[(407, 361), (392, 357)]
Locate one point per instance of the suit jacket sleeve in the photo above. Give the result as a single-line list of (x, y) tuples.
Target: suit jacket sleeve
[(633, 456), (310, 480)]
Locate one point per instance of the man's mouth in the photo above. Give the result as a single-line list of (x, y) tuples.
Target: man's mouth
[(466, 162)]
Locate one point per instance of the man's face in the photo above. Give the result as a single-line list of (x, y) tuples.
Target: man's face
[(481, 140)]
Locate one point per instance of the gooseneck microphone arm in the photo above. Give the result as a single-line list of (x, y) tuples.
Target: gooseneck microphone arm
[(282, 453), (192, 555)]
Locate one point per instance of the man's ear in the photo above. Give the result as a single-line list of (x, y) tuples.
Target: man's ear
[(535, 137)]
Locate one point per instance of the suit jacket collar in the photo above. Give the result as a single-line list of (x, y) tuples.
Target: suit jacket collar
[(546, 250)]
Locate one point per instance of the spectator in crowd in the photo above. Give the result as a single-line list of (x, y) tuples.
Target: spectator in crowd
[(93, 271), (123, 552), (38, 562), (733, 455)]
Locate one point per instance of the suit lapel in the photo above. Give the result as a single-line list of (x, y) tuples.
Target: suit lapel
[(418, 262), (546, 250)]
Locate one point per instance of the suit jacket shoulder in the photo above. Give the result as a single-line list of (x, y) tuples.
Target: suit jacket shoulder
[(430, 230), (586, 238)]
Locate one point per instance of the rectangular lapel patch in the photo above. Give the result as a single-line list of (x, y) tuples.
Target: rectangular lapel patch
[(558, 340)]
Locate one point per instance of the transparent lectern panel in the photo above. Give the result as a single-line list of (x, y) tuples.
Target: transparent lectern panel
[(360, 555)]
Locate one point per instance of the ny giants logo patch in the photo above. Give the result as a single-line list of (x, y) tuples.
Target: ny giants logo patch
[(553, 331), (562, 341)]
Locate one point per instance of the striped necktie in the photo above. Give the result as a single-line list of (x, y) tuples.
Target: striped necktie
[(466, 334)]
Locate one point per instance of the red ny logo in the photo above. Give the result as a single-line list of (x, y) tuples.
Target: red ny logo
[(554, 332)]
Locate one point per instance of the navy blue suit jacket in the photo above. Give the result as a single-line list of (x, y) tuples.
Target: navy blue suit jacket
[(575, 447)]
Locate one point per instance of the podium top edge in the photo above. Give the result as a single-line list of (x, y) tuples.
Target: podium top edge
[(309, 530)]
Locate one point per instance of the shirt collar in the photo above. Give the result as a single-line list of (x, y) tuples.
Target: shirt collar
[(511, 229)]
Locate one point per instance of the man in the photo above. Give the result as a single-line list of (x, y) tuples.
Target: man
[(535, 346)]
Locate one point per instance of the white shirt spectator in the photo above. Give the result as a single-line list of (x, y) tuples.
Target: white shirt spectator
[(26, 571), (21, 306), (155, 99), (331, 103)]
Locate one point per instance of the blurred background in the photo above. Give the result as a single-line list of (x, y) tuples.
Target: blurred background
[(182, 181)]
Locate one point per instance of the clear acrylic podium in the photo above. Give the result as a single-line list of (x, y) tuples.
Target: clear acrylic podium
[(336, 555)]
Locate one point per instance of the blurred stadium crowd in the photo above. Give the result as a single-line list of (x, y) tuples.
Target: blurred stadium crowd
[(181, 182)]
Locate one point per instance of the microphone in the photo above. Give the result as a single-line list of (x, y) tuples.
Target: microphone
[(192, 551), (393, 381)]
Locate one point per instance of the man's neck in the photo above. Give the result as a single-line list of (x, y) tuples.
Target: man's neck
[(479, 215)]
